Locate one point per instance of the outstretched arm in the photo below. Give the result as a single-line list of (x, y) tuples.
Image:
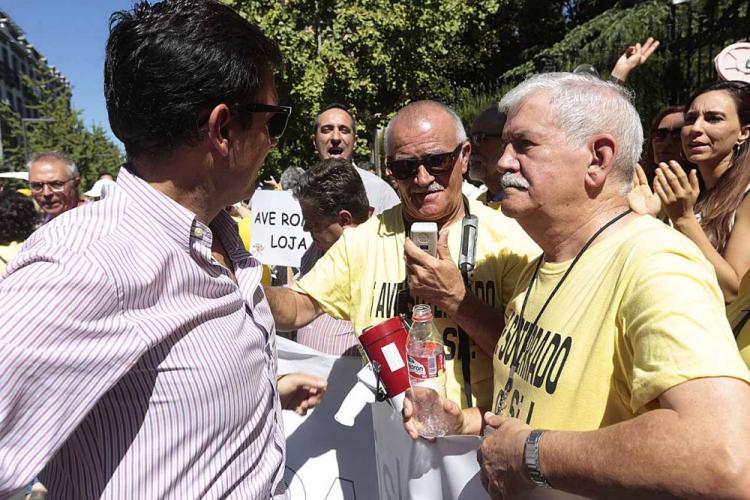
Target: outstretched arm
[(291, 310)]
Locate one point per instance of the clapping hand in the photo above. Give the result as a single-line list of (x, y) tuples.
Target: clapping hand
[(641, 198), (678, 191)]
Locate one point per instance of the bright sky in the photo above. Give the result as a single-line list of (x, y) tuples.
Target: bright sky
[(71, 34)]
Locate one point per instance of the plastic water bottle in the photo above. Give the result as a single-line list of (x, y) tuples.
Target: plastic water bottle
[(426, 359)]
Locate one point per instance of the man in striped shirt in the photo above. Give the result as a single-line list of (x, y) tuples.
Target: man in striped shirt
[(333, 198), (138, 347)]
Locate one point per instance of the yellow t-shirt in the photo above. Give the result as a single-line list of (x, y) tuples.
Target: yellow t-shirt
[(738, 313), (245, 227), (482, 198), (359, 277), (639, 313)]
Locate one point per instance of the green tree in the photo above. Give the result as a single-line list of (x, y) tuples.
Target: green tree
[(65, 131)]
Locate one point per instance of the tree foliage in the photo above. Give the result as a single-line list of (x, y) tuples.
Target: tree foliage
[(377, 55), (64, 130)]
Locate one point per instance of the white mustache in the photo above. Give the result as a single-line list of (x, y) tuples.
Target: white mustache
[(434, 187), (514, 181)]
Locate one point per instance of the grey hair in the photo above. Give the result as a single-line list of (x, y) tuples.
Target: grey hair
[(290, 178), (417, 109), (54, 156), (582, 106)]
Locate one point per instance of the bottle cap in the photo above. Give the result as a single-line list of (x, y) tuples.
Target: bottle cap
[(421, 312)]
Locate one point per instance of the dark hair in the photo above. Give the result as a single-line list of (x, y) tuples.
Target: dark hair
[(648, 151), (334, 185), (335, 105), (718, 205), (18, 217), (170, 62)]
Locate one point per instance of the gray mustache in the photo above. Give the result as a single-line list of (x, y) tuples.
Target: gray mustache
[(432, 188), (514, 181)]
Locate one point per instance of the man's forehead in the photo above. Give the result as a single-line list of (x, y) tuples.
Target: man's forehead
[(48, 167), (421, 135), (335, 116)]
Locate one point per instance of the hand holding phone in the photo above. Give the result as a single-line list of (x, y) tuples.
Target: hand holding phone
[(425, 236)]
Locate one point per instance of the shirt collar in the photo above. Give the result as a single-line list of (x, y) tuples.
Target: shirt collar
[(177, 222)]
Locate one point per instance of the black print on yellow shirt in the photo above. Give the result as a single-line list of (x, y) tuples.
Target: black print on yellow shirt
[(385, 303), (543, 361)]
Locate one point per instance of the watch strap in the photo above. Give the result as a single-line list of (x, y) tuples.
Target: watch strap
[(531, 458)]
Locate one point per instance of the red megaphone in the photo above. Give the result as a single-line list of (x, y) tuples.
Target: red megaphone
[(385, 346)]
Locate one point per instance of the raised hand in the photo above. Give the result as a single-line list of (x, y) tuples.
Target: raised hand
[(641, 198), (634, 56), (678, 192)]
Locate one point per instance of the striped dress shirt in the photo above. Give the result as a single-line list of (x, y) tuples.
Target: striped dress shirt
[(325, 333), (133, 365)]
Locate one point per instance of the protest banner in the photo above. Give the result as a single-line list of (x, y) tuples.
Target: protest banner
[(277, 235), (375, 458)]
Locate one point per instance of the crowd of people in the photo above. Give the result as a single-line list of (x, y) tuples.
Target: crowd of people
[(600, 343)]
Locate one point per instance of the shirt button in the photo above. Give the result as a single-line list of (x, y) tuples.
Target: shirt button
[(197, 232)]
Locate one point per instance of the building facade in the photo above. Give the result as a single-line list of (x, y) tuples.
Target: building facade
[(19, 57)]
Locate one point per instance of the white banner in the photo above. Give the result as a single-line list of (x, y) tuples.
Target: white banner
[(277, 236), (326, 460)]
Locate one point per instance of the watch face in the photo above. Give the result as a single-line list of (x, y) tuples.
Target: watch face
[(733, 63)]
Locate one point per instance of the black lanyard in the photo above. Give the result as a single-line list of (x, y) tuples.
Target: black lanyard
[(405, 304), (503, 394)]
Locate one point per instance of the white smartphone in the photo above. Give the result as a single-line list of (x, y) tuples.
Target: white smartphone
[(425, 236)]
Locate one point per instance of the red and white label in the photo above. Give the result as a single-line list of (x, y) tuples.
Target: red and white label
[(428, 366)]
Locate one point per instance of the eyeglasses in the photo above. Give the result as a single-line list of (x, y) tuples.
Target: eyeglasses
[(276, 124), (436, 164), (478, 138), (54, 186), (661, 134)]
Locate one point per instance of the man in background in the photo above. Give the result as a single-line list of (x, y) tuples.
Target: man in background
[(53, 180), (335, 136), (486, 148)]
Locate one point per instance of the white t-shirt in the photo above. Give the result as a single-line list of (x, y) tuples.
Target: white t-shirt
[(380, 195)]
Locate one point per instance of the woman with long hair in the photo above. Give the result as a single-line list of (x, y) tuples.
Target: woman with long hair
[(717, 219)]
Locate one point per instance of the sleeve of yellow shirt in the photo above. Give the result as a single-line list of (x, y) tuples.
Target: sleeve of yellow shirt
[(329, 281), (245, 227), (674, 326)]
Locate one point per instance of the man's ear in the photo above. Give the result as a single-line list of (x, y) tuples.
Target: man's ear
[(464, 158), (314, 143), (344, 218), (602, 160), (76, 182), (218, 124)]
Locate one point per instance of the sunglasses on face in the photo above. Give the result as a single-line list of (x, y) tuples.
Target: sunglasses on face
[(435, 164), (278, 120), (661, 134), (479, 138)]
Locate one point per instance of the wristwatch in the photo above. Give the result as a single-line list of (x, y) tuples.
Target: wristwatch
[(531, 458)]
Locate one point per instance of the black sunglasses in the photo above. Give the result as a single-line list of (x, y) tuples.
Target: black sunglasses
[(661, 134), (276, 124), (436, 164)]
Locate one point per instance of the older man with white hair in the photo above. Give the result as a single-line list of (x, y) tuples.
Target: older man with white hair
[(615, 340), (53, 180)]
